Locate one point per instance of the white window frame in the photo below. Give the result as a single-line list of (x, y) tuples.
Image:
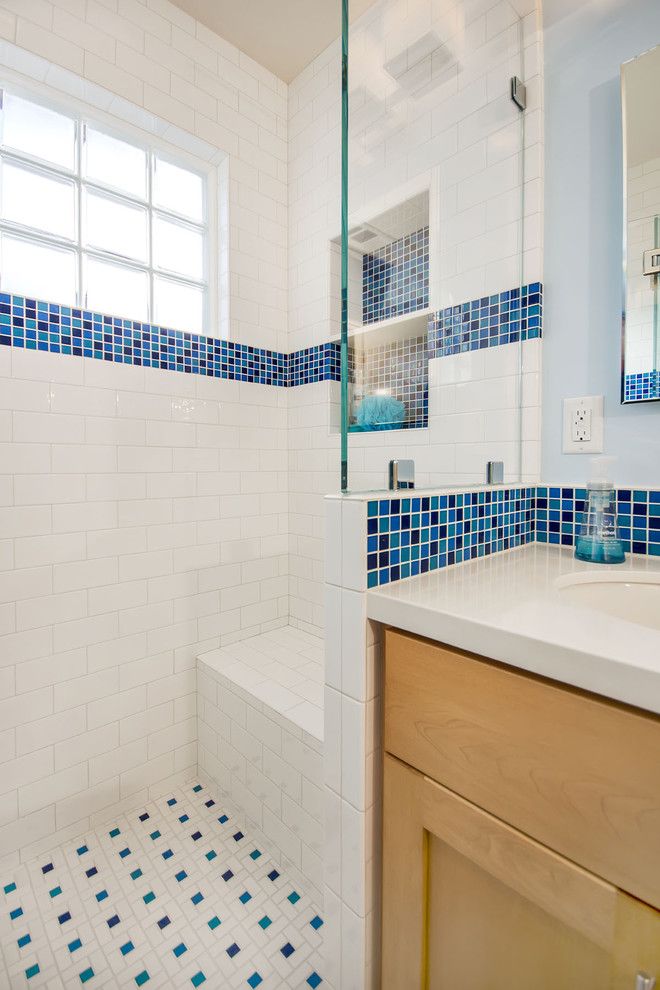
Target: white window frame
[(82, 115)]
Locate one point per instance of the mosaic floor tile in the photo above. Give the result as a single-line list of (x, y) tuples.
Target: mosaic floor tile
[(142, 903)]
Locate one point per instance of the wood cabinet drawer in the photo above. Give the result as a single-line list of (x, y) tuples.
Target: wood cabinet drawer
[(576, 772)]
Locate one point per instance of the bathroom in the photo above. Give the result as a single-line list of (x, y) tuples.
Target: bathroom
[(329, 494)]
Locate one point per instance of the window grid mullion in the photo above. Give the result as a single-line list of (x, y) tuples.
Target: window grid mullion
[(20, 158), (38, 236)]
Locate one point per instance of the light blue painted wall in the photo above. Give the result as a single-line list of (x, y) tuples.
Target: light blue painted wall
[(585, 44)]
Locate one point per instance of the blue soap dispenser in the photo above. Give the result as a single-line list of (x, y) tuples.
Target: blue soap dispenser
[(597, 537)]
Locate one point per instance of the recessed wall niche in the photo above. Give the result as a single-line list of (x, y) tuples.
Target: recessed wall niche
[(388, 310)]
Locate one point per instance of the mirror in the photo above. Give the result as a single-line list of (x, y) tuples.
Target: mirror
[(640, 95)]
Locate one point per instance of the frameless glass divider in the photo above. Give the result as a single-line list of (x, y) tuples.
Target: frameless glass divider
[(344, 247)]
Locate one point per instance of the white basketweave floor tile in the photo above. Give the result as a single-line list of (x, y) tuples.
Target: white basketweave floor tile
[(172, 895)]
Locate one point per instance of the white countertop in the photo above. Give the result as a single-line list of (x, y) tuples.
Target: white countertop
[(508, 608)]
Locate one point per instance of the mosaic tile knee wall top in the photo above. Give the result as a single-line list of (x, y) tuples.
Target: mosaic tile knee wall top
[(415, 534), (638, 510)]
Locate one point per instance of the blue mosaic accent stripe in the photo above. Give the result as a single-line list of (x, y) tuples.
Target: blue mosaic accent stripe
[(320, 363), (638, 510), (36, 325), (412, 535), (41, 326), (504, 318), (641, 387), (395, 279)]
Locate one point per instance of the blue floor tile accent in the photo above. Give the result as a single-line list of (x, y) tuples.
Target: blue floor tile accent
[(257, 932)]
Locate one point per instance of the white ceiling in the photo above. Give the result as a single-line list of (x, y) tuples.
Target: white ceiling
[(283, 35)]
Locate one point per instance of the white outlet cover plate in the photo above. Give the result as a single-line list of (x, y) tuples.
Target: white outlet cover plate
[(593, 403)]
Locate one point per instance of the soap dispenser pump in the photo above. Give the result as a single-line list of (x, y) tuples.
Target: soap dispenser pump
[(597, 538)]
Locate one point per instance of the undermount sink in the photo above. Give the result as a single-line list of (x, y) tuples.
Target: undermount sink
[(633, 595)]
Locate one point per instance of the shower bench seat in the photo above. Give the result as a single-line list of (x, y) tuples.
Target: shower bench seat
[(260, 731)]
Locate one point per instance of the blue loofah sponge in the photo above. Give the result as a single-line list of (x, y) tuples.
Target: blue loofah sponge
[(380, 412)]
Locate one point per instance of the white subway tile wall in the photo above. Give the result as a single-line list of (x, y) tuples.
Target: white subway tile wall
[(143, 514), (145, 520)]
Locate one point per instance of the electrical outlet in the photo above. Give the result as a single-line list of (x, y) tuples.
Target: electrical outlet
[(583, 425)]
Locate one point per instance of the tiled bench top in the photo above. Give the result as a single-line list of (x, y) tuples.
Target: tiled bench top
[(282, 669)]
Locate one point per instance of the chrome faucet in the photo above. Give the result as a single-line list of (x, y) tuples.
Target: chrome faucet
[(402, 475)]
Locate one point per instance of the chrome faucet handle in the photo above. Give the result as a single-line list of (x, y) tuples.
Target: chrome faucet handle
[(644, 982)]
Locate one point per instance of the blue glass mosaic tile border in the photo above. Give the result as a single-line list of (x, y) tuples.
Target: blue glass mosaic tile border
[(641, 387), (395, 279), (36, 325), (42, 326), (504, 318), (421, 533), (412, 535), (638, 510), (320, 363)]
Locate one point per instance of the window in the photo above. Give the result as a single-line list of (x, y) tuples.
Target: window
[(91, 219)]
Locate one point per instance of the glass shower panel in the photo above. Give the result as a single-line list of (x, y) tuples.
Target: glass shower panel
[(433, 251)]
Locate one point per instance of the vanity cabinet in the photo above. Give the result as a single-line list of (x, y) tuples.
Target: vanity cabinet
[(521, 829)]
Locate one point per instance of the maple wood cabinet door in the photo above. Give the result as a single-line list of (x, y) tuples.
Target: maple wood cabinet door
[(470, 903)]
